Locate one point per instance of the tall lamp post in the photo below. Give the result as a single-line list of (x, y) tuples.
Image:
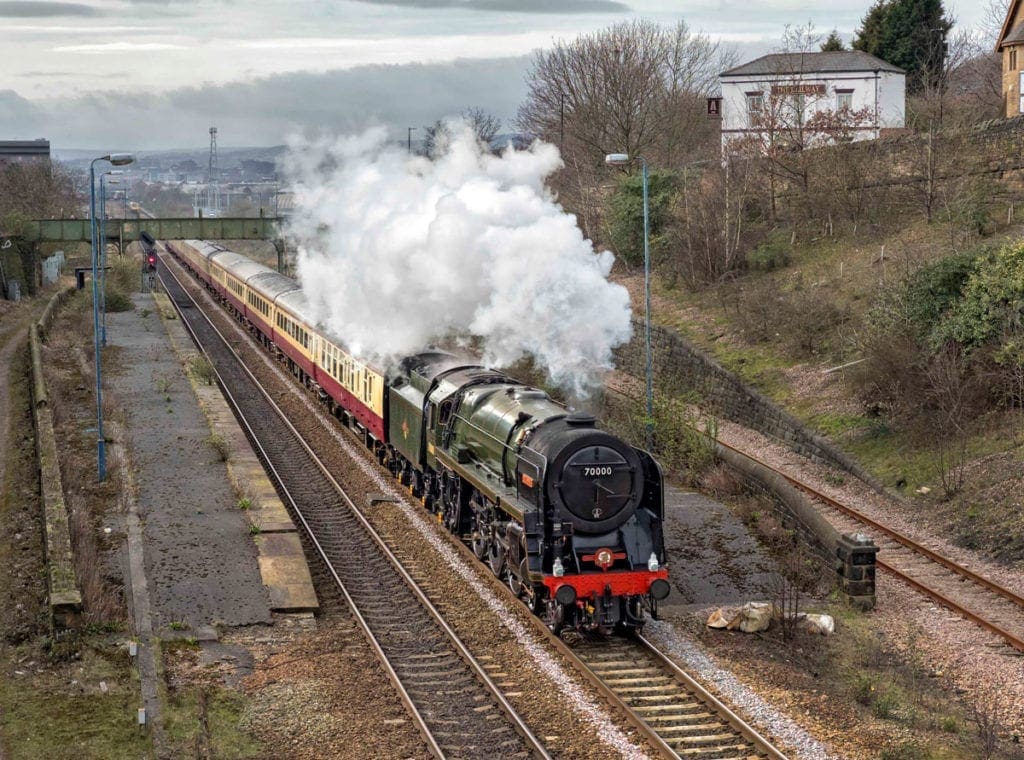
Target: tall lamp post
[(117, 159), (618, 159)]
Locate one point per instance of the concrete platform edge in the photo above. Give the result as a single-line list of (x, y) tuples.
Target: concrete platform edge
[(282, 563)]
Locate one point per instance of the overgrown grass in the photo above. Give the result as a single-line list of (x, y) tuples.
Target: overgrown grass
[(922, 718), (219, 444), (202, 369), (209, 719), (63, 713)]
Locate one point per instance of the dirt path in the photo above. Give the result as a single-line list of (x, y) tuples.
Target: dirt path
[(14, 322), (15, 319)]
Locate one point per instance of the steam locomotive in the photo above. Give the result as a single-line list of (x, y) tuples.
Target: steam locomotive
[(567, 514)]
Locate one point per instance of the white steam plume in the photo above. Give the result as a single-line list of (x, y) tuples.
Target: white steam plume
[(397, 252)]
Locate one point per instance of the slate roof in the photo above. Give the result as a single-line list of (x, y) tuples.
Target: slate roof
[(1005, 33), (812, 63), (1016, 35)]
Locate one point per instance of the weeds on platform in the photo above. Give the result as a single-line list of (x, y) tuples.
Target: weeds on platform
[(219, 444), (202, 369)]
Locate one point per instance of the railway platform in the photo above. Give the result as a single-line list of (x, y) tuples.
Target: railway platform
[(219, 547)]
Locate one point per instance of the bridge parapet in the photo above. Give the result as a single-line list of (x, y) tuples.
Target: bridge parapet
[(128, 230)]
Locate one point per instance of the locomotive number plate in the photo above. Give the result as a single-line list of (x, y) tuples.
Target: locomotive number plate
[(596, 472)]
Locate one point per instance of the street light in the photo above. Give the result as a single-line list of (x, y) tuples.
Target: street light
[(117, 159), (103, 248), (619, 159)]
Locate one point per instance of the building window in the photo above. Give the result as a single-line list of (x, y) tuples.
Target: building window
[(1013, 59), (755, 107), (844, 99)]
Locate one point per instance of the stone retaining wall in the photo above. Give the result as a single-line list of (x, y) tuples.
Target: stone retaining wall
[(65, 599), (678, 364)]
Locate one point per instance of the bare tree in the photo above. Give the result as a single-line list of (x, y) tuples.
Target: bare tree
[(484, 125), (953, 389), (635, 87), (438, 135), (992, 23), (435, 139), (37, 189)]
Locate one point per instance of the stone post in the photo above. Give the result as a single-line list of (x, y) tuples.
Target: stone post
[(855, 564)]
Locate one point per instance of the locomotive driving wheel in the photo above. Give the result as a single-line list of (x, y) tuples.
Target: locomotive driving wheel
[(496, 557), (480, 537), (450, 501), (518, 581)]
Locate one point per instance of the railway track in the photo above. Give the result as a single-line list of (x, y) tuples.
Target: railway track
[(676, 709), (457, 707), (944, 581), (673, 712), (992, 606)]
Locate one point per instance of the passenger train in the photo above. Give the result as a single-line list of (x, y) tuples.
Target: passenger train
[(567, 514)]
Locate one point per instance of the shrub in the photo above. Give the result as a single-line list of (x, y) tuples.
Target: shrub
[(219, 444), (117, 300), (625, 223), (864, 689), (885, 704), (934, 290), (771, 255), (202, 369), (905, 750), (991, 299)]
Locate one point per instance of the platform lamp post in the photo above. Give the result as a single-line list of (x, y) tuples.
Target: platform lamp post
[(117, 159), (619, 159), (103, 249)]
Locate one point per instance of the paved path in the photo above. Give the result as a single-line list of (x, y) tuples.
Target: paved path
[(713, 559), (200, 561)]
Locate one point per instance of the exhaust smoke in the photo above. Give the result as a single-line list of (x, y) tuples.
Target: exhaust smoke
[(398, 252)]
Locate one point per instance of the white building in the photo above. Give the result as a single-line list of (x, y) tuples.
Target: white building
[(811, 98)]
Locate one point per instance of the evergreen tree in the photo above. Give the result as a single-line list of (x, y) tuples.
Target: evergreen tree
[(833, 44), (910, 34)]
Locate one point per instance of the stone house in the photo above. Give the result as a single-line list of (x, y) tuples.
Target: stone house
[(1010, 46)]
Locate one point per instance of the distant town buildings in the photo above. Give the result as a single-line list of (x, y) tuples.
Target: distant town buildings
[(12, 151), (1010, 46), (815, 98)]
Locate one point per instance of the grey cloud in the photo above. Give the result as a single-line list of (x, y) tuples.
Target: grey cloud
[(37, 9), (63, 74), (265, 111), (513, 6), (20, 119)]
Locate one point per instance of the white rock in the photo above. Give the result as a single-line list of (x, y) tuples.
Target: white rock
[(812, 623), (720, 619), (752, 617)]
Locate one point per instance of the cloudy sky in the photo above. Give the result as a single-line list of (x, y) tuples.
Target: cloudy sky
[(145, 74)]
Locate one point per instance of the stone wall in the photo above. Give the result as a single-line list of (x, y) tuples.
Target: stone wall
[(679, 366), (65, 599)]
